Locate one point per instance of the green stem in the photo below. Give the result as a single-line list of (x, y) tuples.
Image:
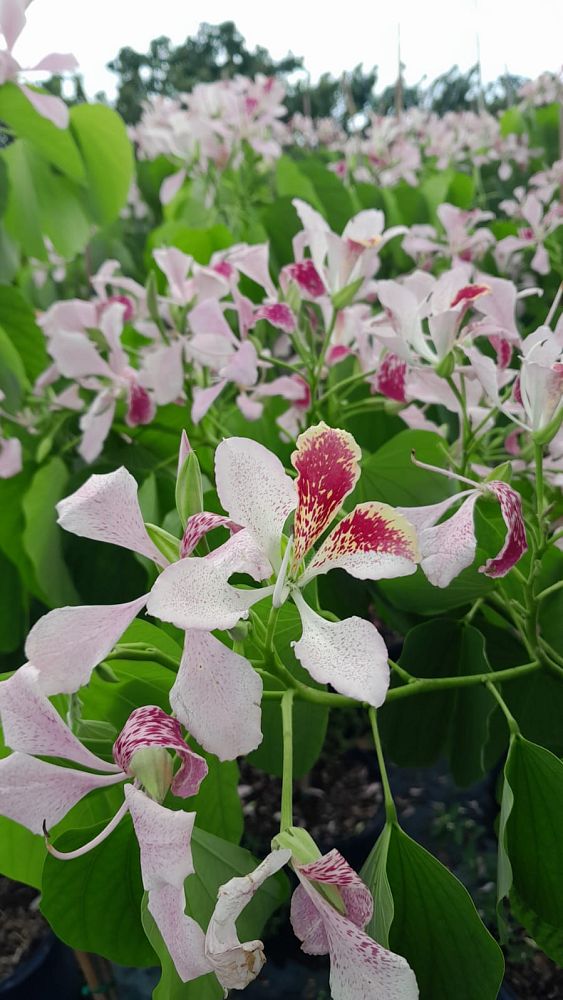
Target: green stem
[(287, 779), (540, 497), (549, 590), (345, 383), (512, 724), (390, 810), (270, 632), (147, 653)]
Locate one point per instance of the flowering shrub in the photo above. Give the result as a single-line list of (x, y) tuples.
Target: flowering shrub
[(308, 389)]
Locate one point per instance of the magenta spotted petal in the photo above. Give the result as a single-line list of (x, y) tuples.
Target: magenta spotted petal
[(197, 527), (326, 460), (391, 378), (373, 542), (150, 726), (515, 544)]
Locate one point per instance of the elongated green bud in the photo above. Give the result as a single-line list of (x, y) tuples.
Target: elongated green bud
[(164, 541), (304, 851), (189, 489), (446, 366), (346, 295), (152, 766), (152, 298)]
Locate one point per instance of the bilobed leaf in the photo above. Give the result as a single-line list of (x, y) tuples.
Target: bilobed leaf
[(417, 730), (93, 902), (107, 153), (437, 928), (533, 833), (42, 535), (22, 853), (390, 475)]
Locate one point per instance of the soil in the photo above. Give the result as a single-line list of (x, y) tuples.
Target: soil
[(340, 804), (22, 927)]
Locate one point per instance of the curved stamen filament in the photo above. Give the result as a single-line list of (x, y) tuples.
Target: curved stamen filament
[(102, 835)]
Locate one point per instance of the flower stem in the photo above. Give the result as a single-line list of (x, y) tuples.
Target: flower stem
[(390, 810), (512, 724), (287, 780)]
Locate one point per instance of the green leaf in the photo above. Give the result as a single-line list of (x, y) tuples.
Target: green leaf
[(42, 536), (107, 152), (218, 805), (419, 729), (512, 120), (390, 475), (334, 197), (93, 902), (374, 874), (309, 721), (291, 183), (282, 224), (199, 243), (23, 213), (13, 379), (461, 191), (18, 320), (437, 928), (21, 853), (533, 832), (12, 492), (61, 210), (13, 608), (54, 144)]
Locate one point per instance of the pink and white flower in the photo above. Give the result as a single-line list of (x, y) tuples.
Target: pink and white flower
[(372, 542)]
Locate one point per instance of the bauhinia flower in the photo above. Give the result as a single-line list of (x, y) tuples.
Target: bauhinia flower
[(360, 969), (67, 643), (448, 547), (538, 389), (374, 541)]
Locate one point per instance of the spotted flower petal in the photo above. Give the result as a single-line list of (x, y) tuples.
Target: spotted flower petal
[(350, 655), (515, 543), (374, 542), (197, 527), (67, 643), (216, 696), (326, 460), (34, 792), (106, 509), (32, 725), (255, 491), (150, 726)]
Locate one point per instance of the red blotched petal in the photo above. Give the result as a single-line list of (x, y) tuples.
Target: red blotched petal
[(515, 543), (469, 294), (150, 726), (391, 378), (327, 467), (305, 274), (374, 542)]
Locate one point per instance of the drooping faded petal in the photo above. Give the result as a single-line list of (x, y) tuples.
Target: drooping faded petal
[(34, 792), (307, 924), (350, 655), (195, 593), (32, 725), (149, 726), (374, 542), (236, 964), (255, 490), (197, 527), (449, 548), (515, 544), (106, 508), (326, 460), (360, 969), (333, 869), (67, 643), (217, 696)]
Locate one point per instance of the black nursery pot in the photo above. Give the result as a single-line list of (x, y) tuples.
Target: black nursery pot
[(50, 972)]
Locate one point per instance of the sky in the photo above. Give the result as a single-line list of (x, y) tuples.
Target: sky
[(333, 37)]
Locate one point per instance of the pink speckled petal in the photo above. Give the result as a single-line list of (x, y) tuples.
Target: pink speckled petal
[(217, 696), (197, 527), (307, 924), (350, 655), (333, 869), (106, 508), (33, 792), (255, 490), (326, 460), (360, 969), (515, 544), (32, 725), (449, 548), (67, 643), (236, 964), (150, 726), (181, 934), (374, 542)]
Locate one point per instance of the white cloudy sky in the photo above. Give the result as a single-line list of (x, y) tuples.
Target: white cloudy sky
[(331, 36)]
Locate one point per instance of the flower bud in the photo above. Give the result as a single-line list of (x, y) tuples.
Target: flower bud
[(189, 489), (152, 766), (166, 543), (346, 295), (446, 366)]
